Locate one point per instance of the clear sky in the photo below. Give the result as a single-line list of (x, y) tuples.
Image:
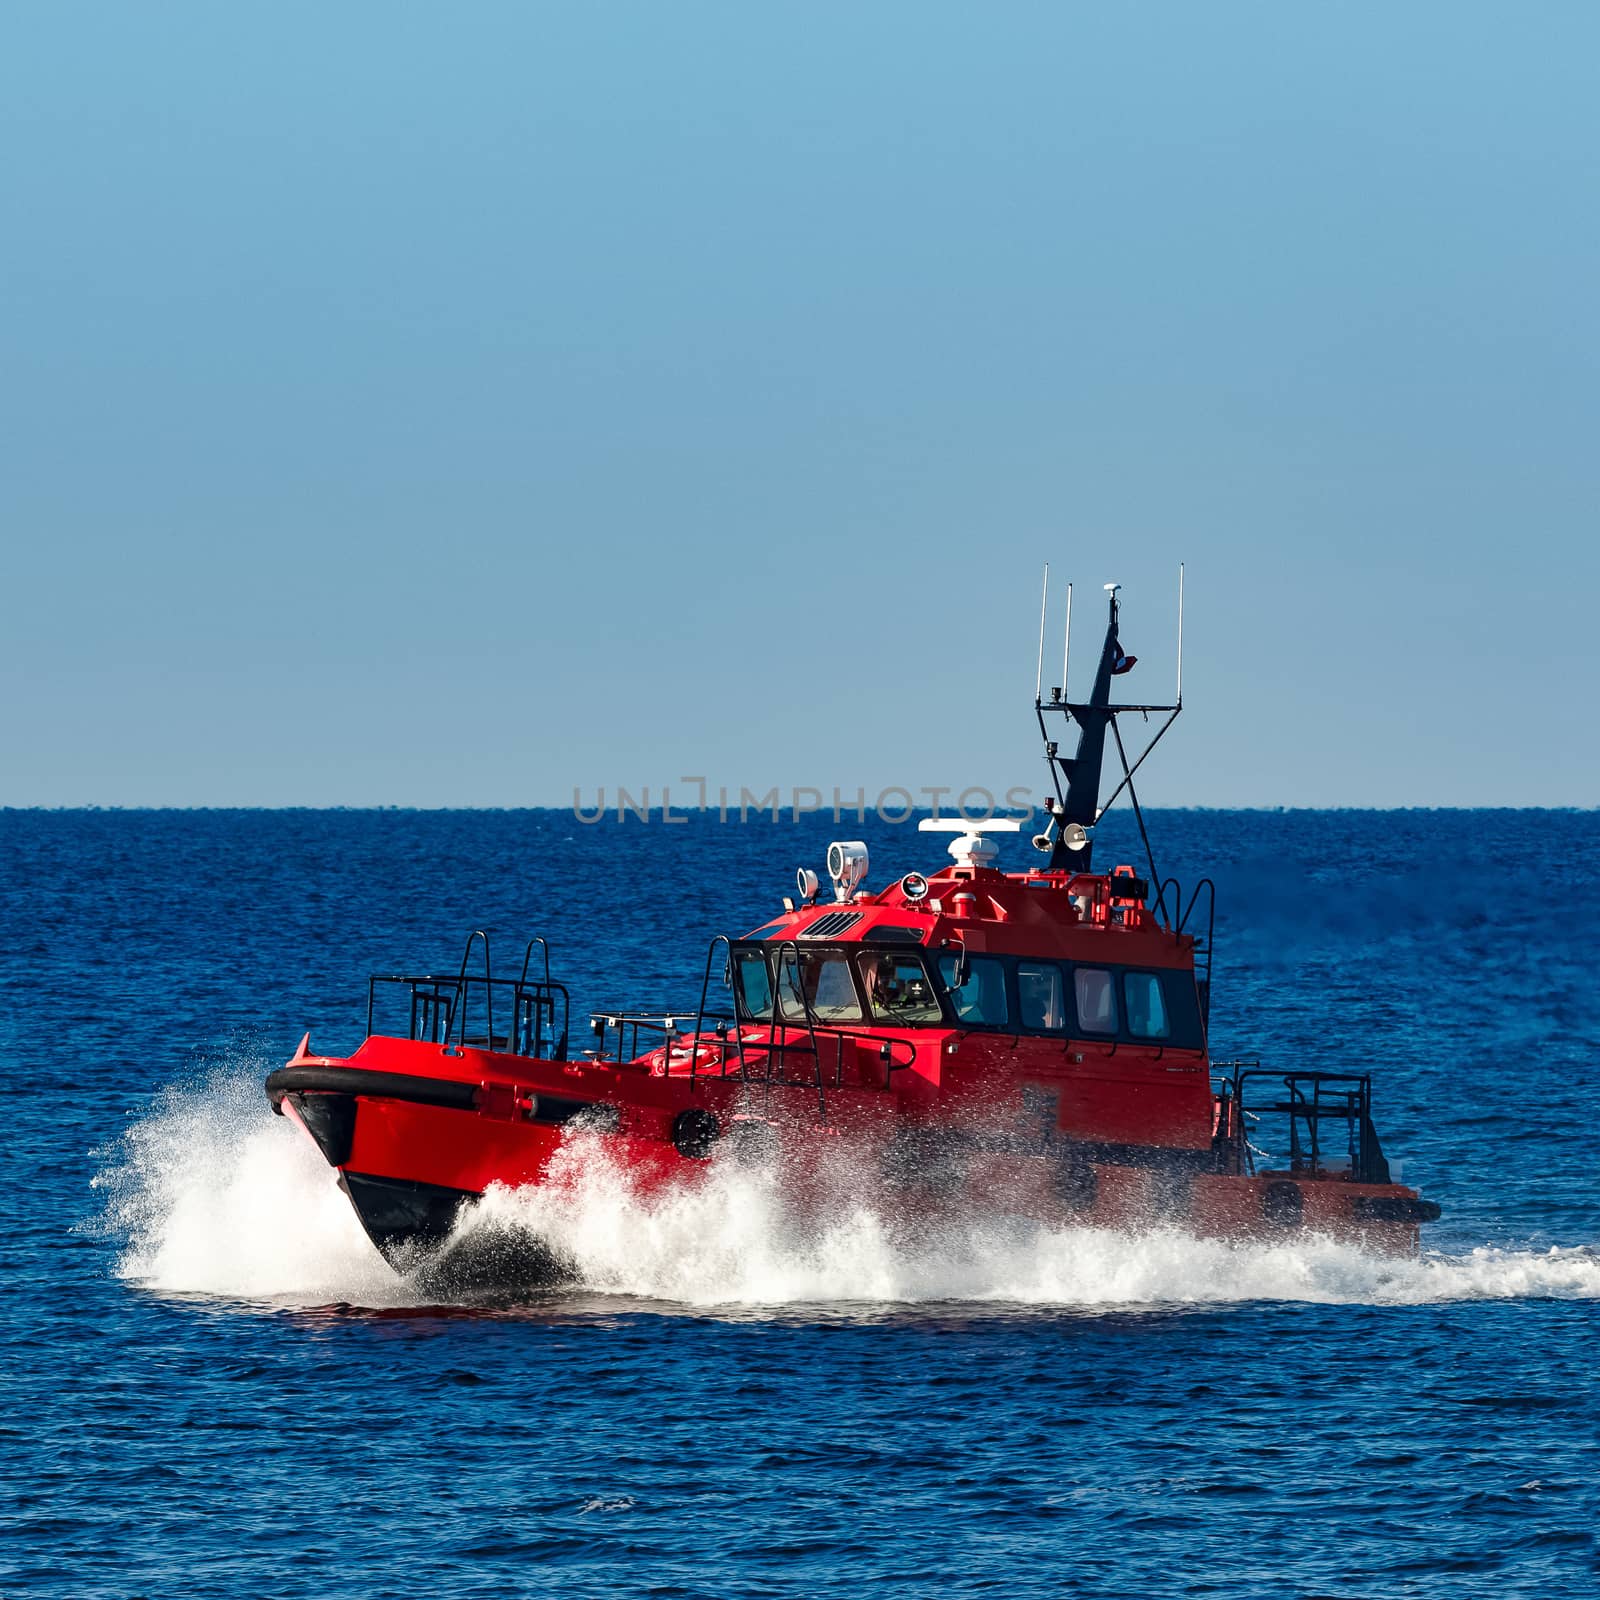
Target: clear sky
[(456, 405)]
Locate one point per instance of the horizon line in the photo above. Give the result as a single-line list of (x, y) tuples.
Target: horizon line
[(609, 817)]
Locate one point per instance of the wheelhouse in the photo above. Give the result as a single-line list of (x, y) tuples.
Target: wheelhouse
[(902, 986)]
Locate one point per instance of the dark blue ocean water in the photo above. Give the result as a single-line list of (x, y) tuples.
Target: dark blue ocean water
[(213, 1388)]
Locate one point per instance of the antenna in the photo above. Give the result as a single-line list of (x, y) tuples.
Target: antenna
[(1179, 696), (1038, 675), (1066, 645)]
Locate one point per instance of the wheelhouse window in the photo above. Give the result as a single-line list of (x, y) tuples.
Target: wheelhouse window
[(754, 980), (1041, 997), (1096, 994), (817, 982), (1186, 1029), (1146, 1006), (898, 989), (981, 999)]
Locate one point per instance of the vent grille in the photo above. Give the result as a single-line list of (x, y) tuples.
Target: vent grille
[(835, 922)]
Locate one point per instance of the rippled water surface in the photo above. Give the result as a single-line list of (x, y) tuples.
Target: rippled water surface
[(213, 1386)]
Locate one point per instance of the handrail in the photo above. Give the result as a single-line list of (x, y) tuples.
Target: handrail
[(527, 956), (629, 1024), (450, 993), (1210, 889), (543, 992), (810, 1019), (1178, 924), (488, 990), (1351, 1104), (775, 1045), (437, 997), (1173, 925), (537, 1000), (700, 1016), (638, 1021)]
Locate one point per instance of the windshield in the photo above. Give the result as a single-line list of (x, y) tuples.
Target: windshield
[(898, 989), (818, 980)]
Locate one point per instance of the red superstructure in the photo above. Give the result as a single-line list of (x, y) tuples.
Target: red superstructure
[(1028, 1041)]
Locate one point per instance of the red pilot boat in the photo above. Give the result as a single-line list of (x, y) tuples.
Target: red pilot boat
[(1034, 1041)]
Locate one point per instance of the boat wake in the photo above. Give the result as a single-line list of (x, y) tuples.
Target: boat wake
[(209, 1194)]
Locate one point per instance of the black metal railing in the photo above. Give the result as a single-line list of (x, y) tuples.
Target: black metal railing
[(631, 1035), (1313, 1103), (459, 1011), (777, 1052), (529, 1016), (711, 1045)]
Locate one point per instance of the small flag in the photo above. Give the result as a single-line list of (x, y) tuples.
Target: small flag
[(1123, 663)]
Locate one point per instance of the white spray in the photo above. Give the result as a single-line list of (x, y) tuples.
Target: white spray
[(213, 1195)]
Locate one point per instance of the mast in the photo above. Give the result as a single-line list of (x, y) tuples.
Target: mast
[(1080, 806), (1077, 807)]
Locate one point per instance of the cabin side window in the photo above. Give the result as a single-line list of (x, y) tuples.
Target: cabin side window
[(754, 980), (1188, 1029), (818, 982), (981, 1000), (898, 989), (1041, 997), (1146, 1006), (1112, 1002), (1096, 995)]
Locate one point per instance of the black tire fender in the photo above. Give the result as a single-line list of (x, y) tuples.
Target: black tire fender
[(695, 1133), (1395, 1208)]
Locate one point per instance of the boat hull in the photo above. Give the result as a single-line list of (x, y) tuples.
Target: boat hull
[(416, 1147), (402, 1216)]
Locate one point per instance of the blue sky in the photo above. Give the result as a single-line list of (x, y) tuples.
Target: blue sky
[(454, 406)]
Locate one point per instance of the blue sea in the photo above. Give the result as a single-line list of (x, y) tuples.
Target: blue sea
[(213, 1387)]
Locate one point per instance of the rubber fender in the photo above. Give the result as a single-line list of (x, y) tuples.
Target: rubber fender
[(1395, 1208), (695, 1133), (597, 1116), (447, 1092)]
